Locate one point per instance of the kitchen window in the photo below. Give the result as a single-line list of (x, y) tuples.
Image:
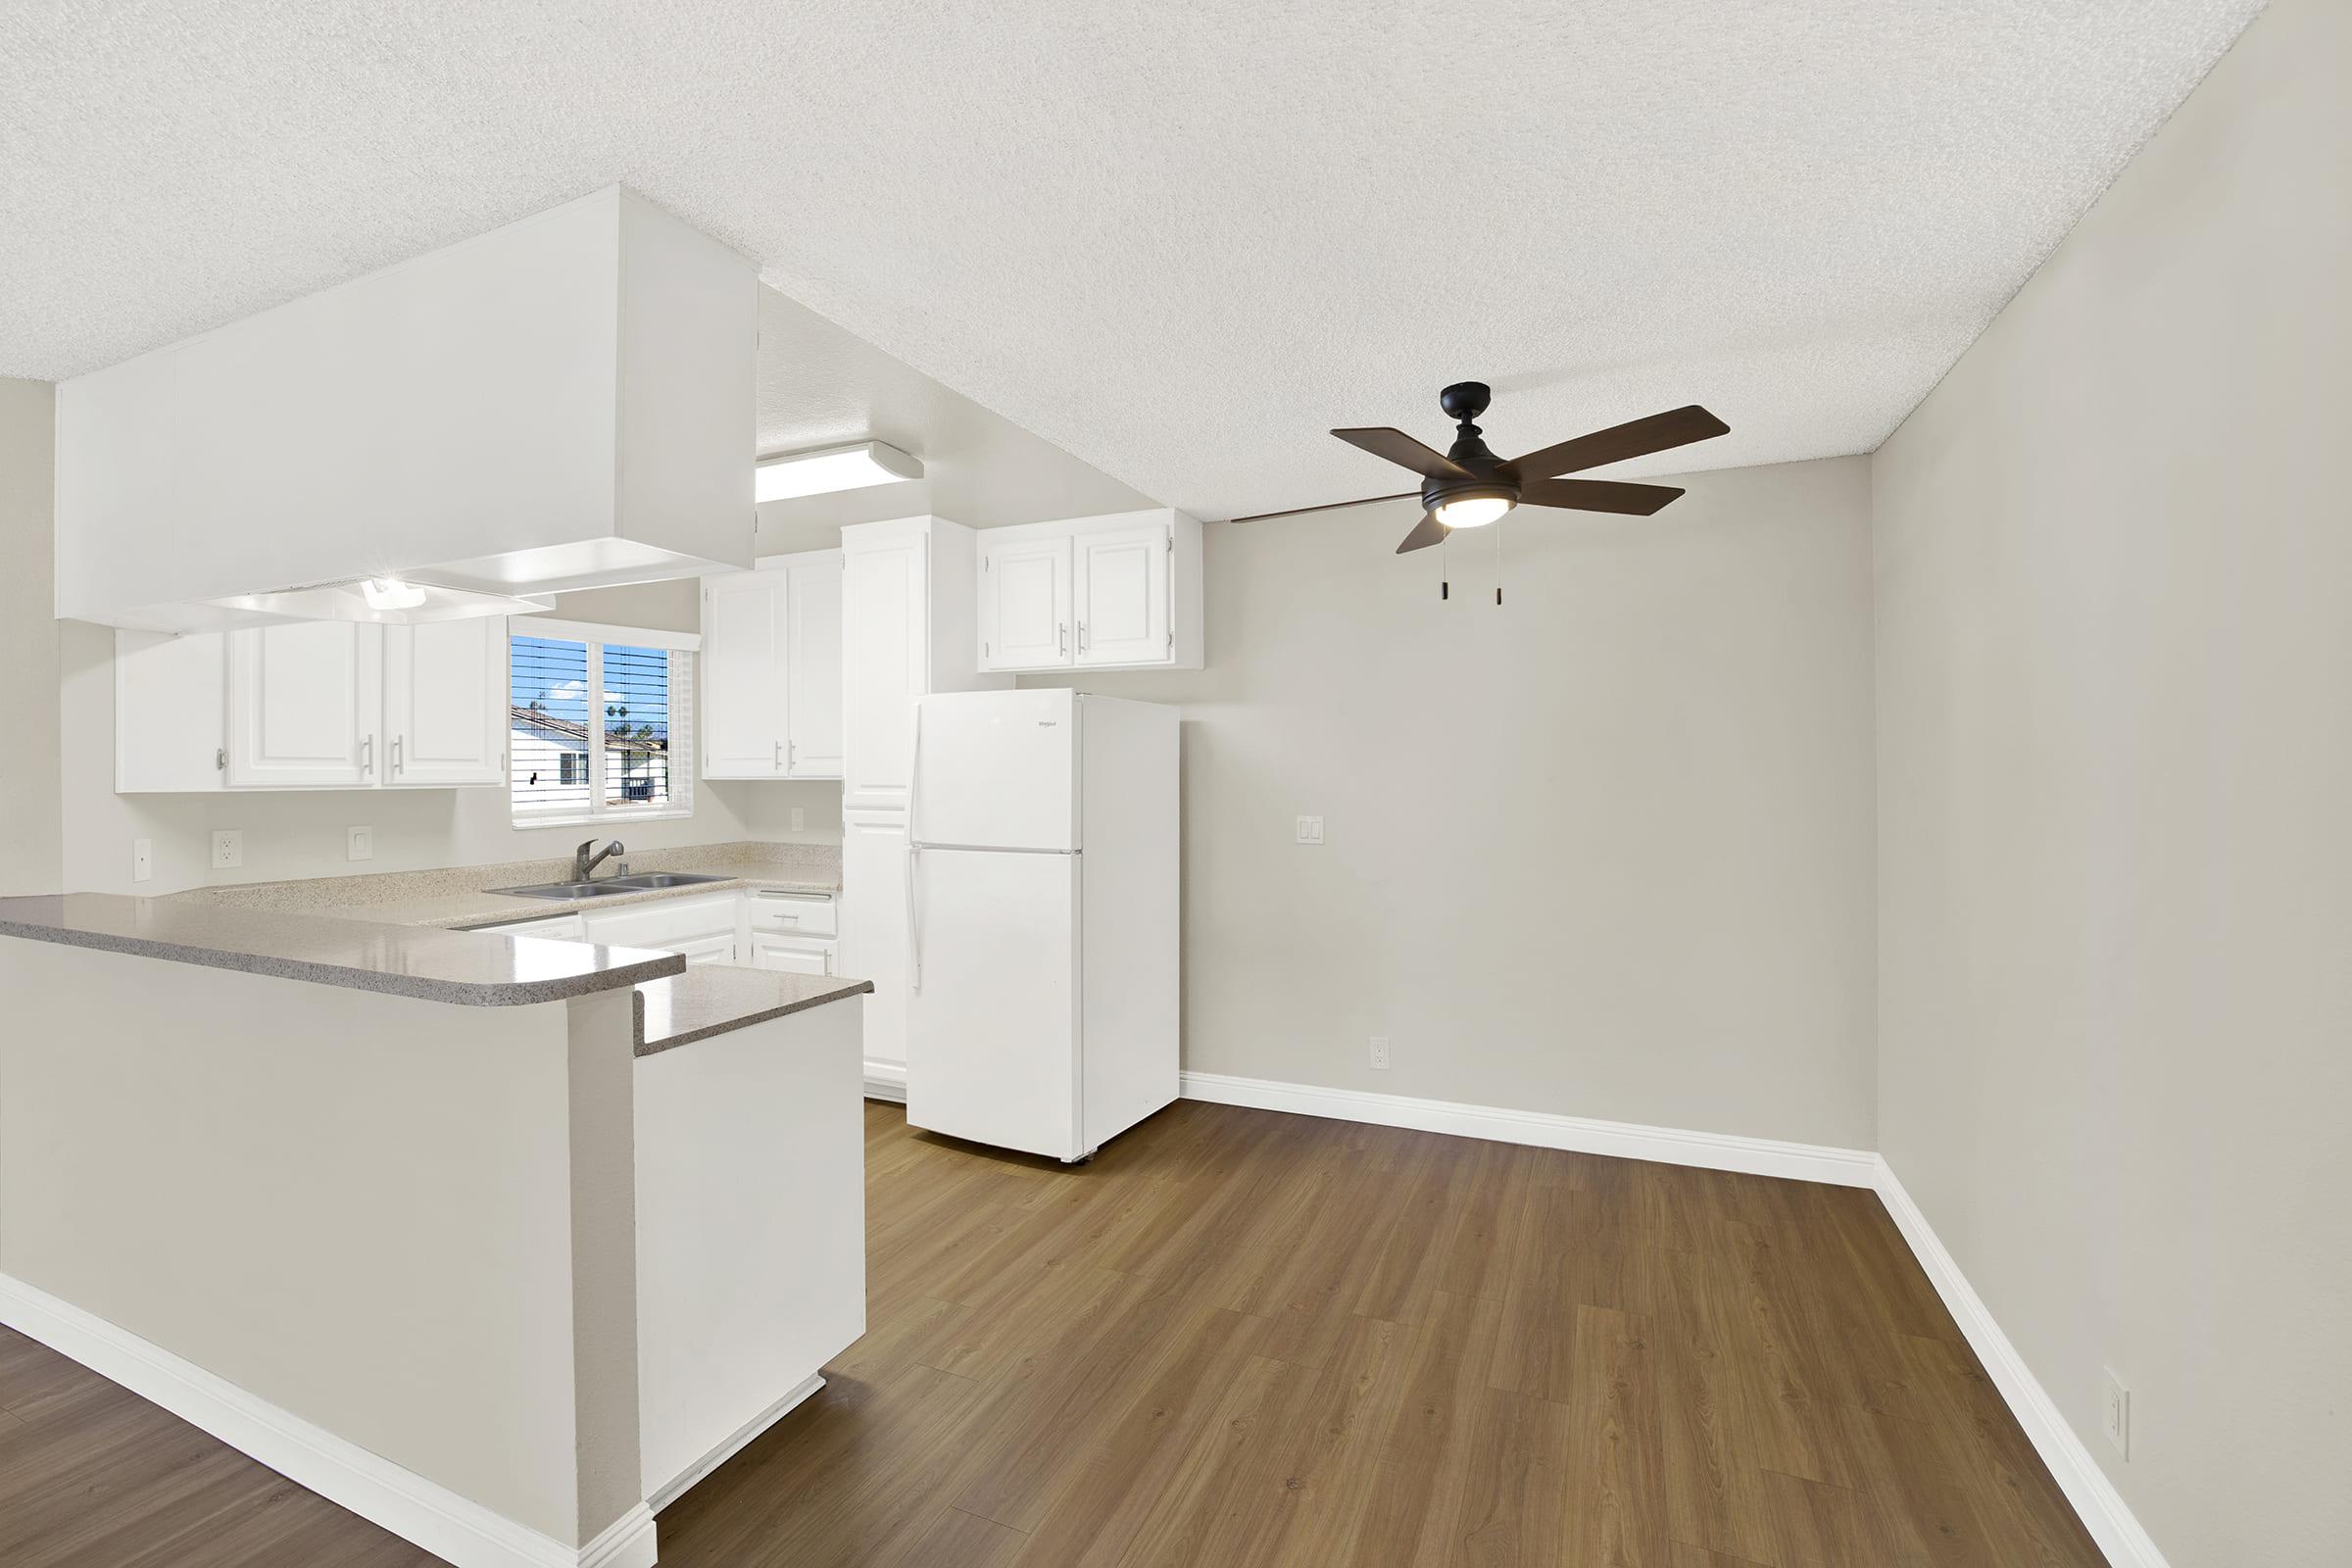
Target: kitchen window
[(600, 723)]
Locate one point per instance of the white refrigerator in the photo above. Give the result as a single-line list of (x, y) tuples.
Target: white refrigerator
[(1042, 918)]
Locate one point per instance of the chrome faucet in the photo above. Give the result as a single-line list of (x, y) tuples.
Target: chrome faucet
[(584, 864)]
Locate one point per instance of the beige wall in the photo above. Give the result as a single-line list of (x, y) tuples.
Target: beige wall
[(2115, 752), (301, 833), (30, 859), (423, 1239), (1604, 851)]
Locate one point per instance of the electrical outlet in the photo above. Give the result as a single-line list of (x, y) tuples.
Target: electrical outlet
[(1310, 830), (1380, 1051), (229, 849), (142, 860), (800, 819), (359, 843), (2115, 1415)]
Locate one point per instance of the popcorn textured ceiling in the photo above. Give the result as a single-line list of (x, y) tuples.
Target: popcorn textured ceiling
[(1179, 240)]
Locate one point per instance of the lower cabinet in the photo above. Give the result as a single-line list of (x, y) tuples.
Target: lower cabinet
[(758, 928)]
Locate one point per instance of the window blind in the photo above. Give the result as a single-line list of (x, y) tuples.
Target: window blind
[(600, 730)]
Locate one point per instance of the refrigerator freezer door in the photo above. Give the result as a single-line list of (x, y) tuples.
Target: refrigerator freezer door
[(997, 770), (992, 1046)]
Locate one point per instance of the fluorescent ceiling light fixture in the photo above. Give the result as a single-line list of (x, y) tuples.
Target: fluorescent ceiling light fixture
[(850, 467)]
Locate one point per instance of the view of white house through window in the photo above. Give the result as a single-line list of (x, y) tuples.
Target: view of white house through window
[(593, 728)]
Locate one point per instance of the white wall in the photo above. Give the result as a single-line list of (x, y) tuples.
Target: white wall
[(2115, 750), (29, 858), (1604, 851)]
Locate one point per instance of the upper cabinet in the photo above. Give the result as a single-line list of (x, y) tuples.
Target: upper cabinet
[(1117, 592), (318, 704), (907, 627), (446, 703), (771, 670)]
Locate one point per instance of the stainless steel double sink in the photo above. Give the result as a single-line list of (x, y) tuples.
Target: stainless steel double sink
[(609, 887)]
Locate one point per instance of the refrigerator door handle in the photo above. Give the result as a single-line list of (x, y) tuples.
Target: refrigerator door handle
[(915, 921)]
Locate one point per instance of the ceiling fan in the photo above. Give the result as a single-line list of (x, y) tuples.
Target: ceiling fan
[(1467, 486)]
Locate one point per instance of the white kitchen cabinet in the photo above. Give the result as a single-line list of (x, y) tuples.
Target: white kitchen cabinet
[(771, 670), (1025, 602), (813, 665), (446, 703), (706, 949), (793, 955), (305, 706), (311, 705), (1121, 578), (697, 924), (1116, 592), (873, 933), (910, 619), (743, 675), (552, 928)]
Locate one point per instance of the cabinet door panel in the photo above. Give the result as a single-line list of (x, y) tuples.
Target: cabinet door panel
[(1122, 595), (791, 955), (1025, 603), (812, 667), (885, 657), (446, 703), (743, 675), (304, 704), (873, 926)]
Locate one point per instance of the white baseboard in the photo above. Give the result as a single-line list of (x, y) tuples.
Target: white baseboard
[(2101, 1508), (421, 1511), (1757, 1156), (677, 1485), (886, 1080)]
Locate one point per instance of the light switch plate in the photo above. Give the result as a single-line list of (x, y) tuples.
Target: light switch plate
[(1310, 830), (229, 849), (359, 843), (800, 819), (142, 860), (2114, 1413)]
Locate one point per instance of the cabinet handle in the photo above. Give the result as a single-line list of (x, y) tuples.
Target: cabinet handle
[(397, 765), (1061, 638), (1082, 636), (776, 756), (366, 756)]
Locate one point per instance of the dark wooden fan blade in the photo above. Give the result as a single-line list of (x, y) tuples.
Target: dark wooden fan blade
[(1328, 506), (1637, 438), (1428, 531), (1404, 451), (1596, 495)]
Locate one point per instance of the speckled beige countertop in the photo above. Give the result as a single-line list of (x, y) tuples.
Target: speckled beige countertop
[(452, 966), (711, 999), (406, 933), (459, 897)]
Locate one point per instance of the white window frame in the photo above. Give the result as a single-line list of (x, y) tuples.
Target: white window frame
[(685, 744)]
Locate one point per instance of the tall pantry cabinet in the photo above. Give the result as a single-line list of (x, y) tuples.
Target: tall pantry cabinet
[(909, 627)]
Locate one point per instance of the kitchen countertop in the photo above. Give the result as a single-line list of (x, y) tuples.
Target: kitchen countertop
[(711, 999), (401, 960), (460, 898)]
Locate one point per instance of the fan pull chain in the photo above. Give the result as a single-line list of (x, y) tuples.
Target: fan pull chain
[(1498, 564), (1445, 572)]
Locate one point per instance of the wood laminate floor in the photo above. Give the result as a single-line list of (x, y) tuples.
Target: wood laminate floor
[(1240, 1338)]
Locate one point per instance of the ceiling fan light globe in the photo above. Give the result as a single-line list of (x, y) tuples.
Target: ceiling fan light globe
[(1472, 512)]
